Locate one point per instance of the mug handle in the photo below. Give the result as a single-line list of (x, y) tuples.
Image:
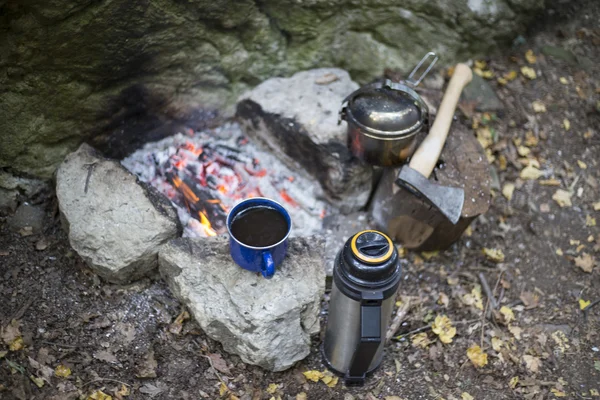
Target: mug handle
[(268, 267)]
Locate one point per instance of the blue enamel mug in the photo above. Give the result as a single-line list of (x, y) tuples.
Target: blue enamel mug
[(243, 247)]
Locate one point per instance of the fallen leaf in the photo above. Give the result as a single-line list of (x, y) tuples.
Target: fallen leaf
[(10, 332), (301, 396), (530, 173), (532, 363), (561, 340), (474, 298), (41, 244), (530, 57), (566, 124), (153, 390), (106, 356), (508, 190), (511, 75), (495, 255), (428, 255), (420, 340), (559, 252), (557, 392), (515, 331), (466, 396), (594, 392), (484, 137), (443, 299), (177, 325), (272, 388), (589, 221), (219, 363), (497, 344), (329, 379), (550, 182), (477, 356), (586, 262), (581, 164), (528, 72), (563, 80), (442, 326), (223, 389), (538, 106), (123, 392), (39, 382), (597, 365), (530, 300), (62, 371), (17, 344), (392, 398), (530, 139), (43, 371), (562, 198), (508, 314), (147, 368), (99, 395), (597, 206), (313, 375), (513, 382), (583, 304), (574, 242), (523, 151)]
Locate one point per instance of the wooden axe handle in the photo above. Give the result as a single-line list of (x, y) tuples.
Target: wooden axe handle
[(429, 151)]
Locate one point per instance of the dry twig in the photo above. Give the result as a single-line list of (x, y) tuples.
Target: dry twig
[(400, 317)]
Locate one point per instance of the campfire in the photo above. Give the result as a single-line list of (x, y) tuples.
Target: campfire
[(205, 173)]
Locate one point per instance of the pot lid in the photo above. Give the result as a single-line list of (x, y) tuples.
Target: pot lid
[(387, 111)]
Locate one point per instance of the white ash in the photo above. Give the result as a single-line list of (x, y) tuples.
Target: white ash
[(154, 162)]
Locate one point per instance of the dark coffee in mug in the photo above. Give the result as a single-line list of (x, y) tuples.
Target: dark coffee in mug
[(259, 226)]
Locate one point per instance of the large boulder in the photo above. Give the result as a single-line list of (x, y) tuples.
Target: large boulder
[(115, 223), (72, 70), (267, 322), (297, 118)]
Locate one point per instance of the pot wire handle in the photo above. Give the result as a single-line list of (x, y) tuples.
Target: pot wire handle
[(410, 78)]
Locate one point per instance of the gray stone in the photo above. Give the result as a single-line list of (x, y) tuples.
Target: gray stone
[(266, 322), (482, 95), (115, 224), (13, 188), (28, 216), (297, 118), (96, 68)]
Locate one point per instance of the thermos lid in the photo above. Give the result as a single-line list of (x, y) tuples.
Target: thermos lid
[(368, 263), (386, 111)]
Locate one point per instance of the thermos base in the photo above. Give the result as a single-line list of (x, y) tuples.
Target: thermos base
[(344, 374)]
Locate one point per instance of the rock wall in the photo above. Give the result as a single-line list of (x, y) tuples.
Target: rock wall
[(96, 70)]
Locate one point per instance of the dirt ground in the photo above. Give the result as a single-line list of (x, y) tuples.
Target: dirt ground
[(124, 341)]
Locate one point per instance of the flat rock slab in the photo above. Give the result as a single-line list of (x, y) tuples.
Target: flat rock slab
[(297, 118), (266, 322), (115, 223)]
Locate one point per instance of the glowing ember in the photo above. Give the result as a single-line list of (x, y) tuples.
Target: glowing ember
[(205, 173)]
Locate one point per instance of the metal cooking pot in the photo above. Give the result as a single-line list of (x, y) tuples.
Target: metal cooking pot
[(384, 118)]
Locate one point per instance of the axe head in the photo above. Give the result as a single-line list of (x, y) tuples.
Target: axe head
[(448, 200)]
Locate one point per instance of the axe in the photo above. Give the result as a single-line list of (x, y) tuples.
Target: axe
[(414, 177)]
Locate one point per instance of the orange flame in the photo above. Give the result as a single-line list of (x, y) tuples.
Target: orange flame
[(206, 224)]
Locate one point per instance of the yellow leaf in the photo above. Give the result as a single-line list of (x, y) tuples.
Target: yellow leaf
[(511, 75), (513, 382), (329, 379), (562, 198), (495, 255), (497, 344), (566, 124), (313, 375), (502, 81), (481, 64), (420, 340), (583, 304), (39, 382), (523, 151), (466, 396), (563, 80), (124, 391), (99, 395), (590, 221), (559, 252), (530, 172), (233, 397), (538, 106), (442, 326), (530, 139), (594, 393), (484, 136), (474, 298), (428, 255), (561, 340), (590, 238), (581, 164), (16, 344), (223, 389), (579, 248), (597, 206), (557, 392), (550, 182), (272, 388), (508, 314), (532, 363), (502, 162), (477, 356), (62, 371), (528, 72), (301, 396), (574, 242), (530, 57)]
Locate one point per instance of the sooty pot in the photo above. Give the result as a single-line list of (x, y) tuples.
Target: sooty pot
[(366, 276)]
